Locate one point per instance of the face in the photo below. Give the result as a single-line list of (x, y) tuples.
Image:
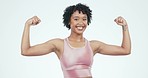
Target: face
[(78, 22)]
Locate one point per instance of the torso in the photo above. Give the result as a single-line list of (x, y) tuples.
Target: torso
[(60, 47), (60, 44), (73, 58)]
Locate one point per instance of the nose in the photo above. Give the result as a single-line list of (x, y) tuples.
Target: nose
[(80, 22)]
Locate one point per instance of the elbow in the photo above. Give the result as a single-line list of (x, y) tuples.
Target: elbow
[(24, 53), (127, 52)]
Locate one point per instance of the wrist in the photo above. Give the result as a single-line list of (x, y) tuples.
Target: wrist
[(124, 27), (27, 25)]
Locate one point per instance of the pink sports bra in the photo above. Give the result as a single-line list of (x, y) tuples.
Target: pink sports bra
[(76, 62)]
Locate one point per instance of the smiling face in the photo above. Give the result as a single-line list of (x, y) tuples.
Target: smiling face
[(78, 22)]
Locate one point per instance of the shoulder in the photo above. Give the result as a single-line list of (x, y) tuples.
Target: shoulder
[(95, 42), (58, 44), (56, 41), (95, 45)]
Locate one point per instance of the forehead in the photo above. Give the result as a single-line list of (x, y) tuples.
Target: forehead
[(78, 14)]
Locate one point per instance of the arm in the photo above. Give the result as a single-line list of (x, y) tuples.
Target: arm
[(125, 47), (35, 50)]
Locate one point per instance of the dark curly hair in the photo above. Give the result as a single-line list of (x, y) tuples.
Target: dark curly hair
[(78, 7)]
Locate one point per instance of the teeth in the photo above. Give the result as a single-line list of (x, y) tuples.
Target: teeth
[(80, 27)]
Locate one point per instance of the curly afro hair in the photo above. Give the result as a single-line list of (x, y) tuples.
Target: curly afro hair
[(78, 7)]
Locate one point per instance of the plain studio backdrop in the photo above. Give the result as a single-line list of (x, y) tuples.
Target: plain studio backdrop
[(14, 13)]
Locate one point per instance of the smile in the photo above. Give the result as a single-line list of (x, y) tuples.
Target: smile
[(80, 28)]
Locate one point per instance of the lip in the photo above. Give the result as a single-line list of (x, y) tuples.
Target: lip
[(80, 28)]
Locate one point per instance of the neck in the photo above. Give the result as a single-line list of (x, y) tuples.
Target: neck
[(76, 37)]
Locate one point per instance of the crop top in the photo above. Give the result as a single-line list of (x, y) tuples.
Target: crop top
[(76, 62)]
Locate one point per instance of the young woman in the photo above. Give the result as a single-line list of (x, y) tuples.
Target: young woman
[(75, 52)]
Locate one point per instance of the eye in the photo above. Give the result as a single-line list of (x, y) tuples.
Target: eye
[(84, 19), (75, 19)]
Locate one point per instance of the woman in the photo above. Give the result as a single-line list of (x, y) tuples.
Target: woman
[(75, 52)]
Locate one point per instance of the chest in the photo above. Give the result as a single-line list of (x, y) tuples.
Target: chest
[(76, 44), (76, 56)]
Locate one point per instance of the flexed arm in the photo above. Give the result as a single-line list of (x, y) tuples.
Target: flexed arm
[(123, 49), (126, 41), (35, 50)]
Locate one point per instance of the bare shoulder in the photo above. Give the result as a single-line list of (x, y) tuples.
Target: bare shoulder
[(56, 41), (95, 42), (58, 44), (95, 45)]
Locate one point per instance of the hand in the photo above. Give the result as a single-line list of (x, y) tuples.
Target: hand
[(121, 21), (33, 21)]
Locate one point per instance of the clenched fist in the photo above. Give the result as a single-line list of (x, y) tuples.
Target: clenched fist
[(33, 21), (121, 21)]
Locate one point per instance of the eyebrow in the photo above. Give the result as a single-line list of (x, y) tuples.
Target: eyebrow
[(78, 16)]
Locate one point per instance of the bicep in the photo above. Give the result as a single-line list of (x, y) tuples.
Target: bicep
[(108, 49), (111, 50), (40, 49)]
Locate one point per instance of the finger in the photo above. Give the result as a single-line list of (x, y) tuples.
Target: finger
[(119, 23), (36, 20), (116, 20), (120, 20), (33, 22)]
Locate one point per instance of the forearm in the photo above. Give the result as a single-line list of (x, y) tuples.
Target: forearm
[(126, 42), (25, 44)]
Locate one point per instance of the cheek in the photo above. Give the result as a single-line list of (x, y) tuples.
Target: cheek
[(73, 23), (86, 23)]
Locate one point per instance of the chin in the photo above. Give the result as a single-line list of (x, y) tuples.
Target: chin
[(80, 32)]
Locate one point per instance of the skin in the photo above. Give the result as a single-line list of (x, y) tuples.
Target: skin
[(78, 23)]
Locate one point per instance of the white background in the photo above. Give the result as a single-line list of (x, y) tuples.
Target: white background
[(14, 13)]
